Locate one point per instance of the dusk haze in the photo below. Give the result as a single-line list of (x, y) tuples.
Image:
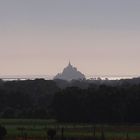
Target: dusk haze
[(69, 69), (100, 37)]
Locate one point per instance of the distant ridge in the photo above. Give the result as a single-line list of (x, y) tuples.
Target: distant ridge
[(70, 73)]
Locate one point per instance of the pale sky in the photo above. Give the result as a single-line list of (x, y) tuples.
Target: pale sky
[(100, 37)]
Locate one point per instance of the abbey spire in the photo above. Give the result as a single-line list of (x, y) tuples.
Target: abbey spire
[(69, 65)]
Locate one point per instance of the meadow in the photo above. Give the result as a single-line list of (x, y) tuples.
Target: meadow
[(37, 129)]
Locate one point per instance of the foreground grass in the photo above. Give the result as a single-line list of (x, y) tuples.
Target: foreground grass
[(38, 128)]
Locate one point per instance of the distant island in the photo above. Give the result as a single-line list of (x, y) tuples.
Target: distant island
[(70, 73)]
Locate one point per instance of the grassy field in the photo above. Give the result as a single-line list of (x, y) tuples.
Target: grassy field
[(38, 129)]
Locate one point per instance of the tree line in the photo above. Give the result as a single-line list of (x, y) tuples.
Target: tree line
[(97, 102)]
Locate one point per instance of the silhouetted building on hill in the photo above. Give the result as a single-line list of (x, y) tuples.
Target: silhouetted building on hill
[(70, 73)]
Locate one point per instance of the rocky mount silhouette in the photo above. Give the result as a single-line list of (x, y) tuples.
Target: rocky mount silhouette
[(70, 73)]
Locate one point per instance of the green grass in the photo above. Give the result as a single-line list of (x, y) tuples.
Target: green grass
[(26, 122), (38, 128)]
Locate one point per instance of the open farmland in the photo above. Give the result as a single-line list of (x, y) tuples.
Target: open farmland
[(37, 129)]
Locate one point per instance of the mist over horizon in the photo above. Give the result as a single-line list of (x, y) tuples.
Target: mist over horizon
[(51, 77)]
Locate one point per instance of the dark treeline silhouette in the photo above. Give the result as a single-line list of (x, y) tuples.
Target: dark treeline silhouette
[(101, 104), (94, 101), (27, 99)]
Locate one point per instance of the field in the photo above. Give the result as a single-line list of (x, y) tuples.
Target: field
[(37, 129)]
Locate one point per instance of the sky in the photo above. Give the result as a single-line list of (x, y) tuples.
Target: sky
[(99, 37)]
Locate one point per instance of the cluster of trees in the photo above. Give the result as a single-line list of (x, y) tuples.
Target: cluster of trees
[(97, 102), (27, 99)]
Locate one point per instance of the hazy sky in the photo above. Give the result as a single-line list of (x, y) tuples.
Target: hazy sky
[(98, 36)]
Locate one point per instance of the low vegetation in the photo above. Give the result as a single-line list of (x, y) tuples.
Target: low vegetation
[(38, 129)]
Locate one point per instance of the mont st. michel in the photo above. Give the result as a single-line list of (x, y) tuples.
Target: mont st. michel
[(70, 73)]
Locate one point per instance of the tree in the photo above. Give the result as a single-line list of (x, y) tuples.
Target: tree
[(3, 132)]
